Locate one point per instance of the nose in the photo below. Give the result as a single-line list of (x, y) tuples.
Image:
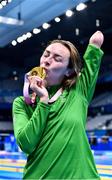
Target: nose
[(48, 61)]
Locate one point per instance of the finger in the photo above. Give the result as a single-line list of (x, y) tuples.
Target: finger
[(35, 84), (30, 79), (39, 81)]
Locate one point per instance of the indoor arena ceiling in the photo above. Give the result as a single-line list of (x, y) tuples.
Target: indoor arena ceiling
[(32, 13), (78, 28)]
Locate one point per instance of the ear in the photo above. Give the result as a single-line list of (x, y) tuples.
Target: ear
[(69, 72)]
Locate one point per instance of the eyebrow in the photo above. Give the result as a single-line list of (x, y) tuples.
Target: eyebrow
[(54, 54)]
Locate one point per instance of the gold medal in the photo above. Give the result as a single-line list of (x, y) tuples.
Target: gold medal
[(38, 71)]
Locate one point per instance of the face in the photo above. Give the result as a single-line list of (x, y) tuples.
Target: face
[(55, 60)]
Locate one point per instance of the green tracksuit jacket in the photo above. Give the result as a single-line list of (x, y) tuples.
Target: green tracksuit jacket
[(53, 135)]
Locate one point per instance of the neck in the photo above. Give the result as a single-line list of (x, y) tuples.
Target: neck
[(53, 89)]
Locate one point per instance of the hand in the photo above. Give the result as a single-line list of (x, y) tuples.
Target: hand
[(38, 86), (97, 39)]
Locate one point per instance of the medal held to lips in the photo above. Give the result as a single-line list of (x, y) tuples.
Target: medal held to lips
[(36, 71)]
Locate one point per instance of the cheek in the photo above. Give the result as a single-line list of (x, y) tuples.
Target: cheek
[(41, 60), (59, 71), (61, 67)]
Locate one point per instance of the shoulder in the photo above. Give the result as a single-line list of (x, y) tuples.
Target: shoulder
[(18, 101)]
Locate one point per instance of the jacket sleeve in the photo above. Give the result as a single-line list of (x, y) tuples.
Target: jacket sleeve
[(28, 130), (89, 74)]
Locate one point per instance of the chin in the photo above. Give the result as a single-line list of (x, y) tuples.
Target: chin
[(50, 83)]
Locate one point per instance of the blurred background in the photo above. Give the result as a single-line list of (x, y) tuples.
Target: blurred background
[(26, 26)]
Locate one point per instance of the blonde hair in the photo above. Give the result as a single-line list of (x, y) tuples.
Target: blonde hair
[(74, 63)]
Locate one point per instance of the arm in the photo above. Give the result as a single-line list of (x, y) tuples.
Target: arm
[(29, 125), (89, 73)]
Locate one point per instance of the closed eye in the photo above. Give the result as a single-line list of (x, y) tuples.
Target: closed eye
[(46, 54), (58, 59)]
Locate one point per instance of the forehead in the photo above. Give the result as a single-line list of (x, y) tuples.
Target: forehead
[(58, 48)]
